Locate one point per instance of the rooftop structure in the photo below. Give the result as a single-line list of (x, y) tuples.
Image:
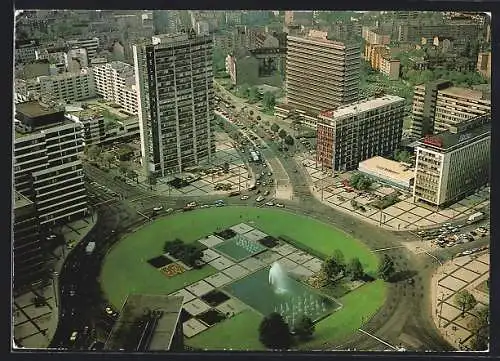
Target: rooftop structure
[(160, 329), (389, 171)]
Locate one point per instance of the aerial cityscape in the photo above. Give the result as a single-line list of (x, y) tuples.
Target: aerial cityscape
[(191, 180)]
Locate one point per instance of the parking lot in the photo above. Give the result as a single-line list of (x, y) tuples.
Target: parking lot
[(404, 215)]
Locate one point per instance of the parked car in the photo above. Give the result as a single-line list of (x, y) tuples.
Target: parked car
[(244, 197), (73, 336), (266, 193), (158, 208), (270, 204), (279, 205), (260, 199)]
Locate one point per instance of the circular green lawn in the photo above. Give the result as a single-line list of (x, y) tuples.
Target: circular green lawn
[(125, 269)]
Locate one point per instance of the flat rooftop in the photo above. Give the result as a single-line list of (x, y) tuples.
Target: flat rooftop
[(464, 93), (386, 168), (135, 307), (36, 109), (448, 139), (360, 107)]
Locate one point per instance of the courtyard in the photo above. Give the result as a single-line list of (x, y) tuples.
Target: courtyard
[(239, 246)]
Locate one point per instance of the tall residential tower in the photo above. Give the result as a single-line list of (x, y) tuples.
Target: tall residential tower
[(174, 79)]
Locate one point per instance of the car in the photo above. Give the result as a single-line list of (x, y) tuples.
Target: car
[(465, 253), (447, 224), (266, 193), (411, 281), (270, 204), (73, 336), (170, 210), (192, 204), (205, 206), (473, 233), (158, 208), (244, 198), (260, 199), (279, 205)]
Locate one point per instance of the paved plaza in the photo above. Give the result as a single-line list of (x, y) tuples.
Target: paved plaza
[(463, 273), (401, 216), (240, 177), (297, 263)]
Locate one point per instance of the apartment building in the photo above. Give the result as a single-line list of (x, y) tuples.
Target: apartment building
[(455, 105), (460, 31), (321, 74), (47, 164), (25, 51), (28, 256), (484, 64), (374, 36), (66, 87), (439, 105), (350, 134), (390, 67), (90, 45), (115, 81), (453, 164), (304, 18), (174, 78), (76, 60), (92, 125)]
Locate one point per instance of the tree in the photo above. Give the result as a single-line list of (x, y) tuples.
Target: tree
[(386, 268), (282, 134), (289, 140), (402, 156), (338, 256), (253, 94), (225, 167), (269, 100), (304, 328), (274, 332), (132, 174), (94, 151), (258, 117), (108, 158), (465, 301), (331, 268), (355, 269), (275, 127), (479, 327), (123, 168), (250, 112)]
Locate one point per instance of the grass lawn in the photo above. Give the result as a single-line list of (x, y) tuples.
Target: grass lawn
[(223, 335), (359, 304), (126, 270)]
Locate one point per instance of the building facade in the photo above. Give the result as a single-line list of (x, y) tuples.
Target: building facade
[(91, 45), (115, 81), (47, 165), (25, 51), (29, 260), (66, 87), (439, 105), (350, 134), (92, 125), (484, 64), (321, 74), (174, 77), (453, 164)]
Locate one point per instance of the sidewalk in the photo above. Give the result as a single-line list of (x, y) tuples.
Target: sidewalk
[(34, 326)]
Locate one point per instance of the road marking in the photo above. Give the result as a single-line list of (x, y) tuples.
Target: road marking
[(378, 339), (388, 248)]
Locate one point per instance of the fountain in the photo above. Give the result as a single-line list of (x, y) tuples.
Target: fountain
[(278, 278)]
